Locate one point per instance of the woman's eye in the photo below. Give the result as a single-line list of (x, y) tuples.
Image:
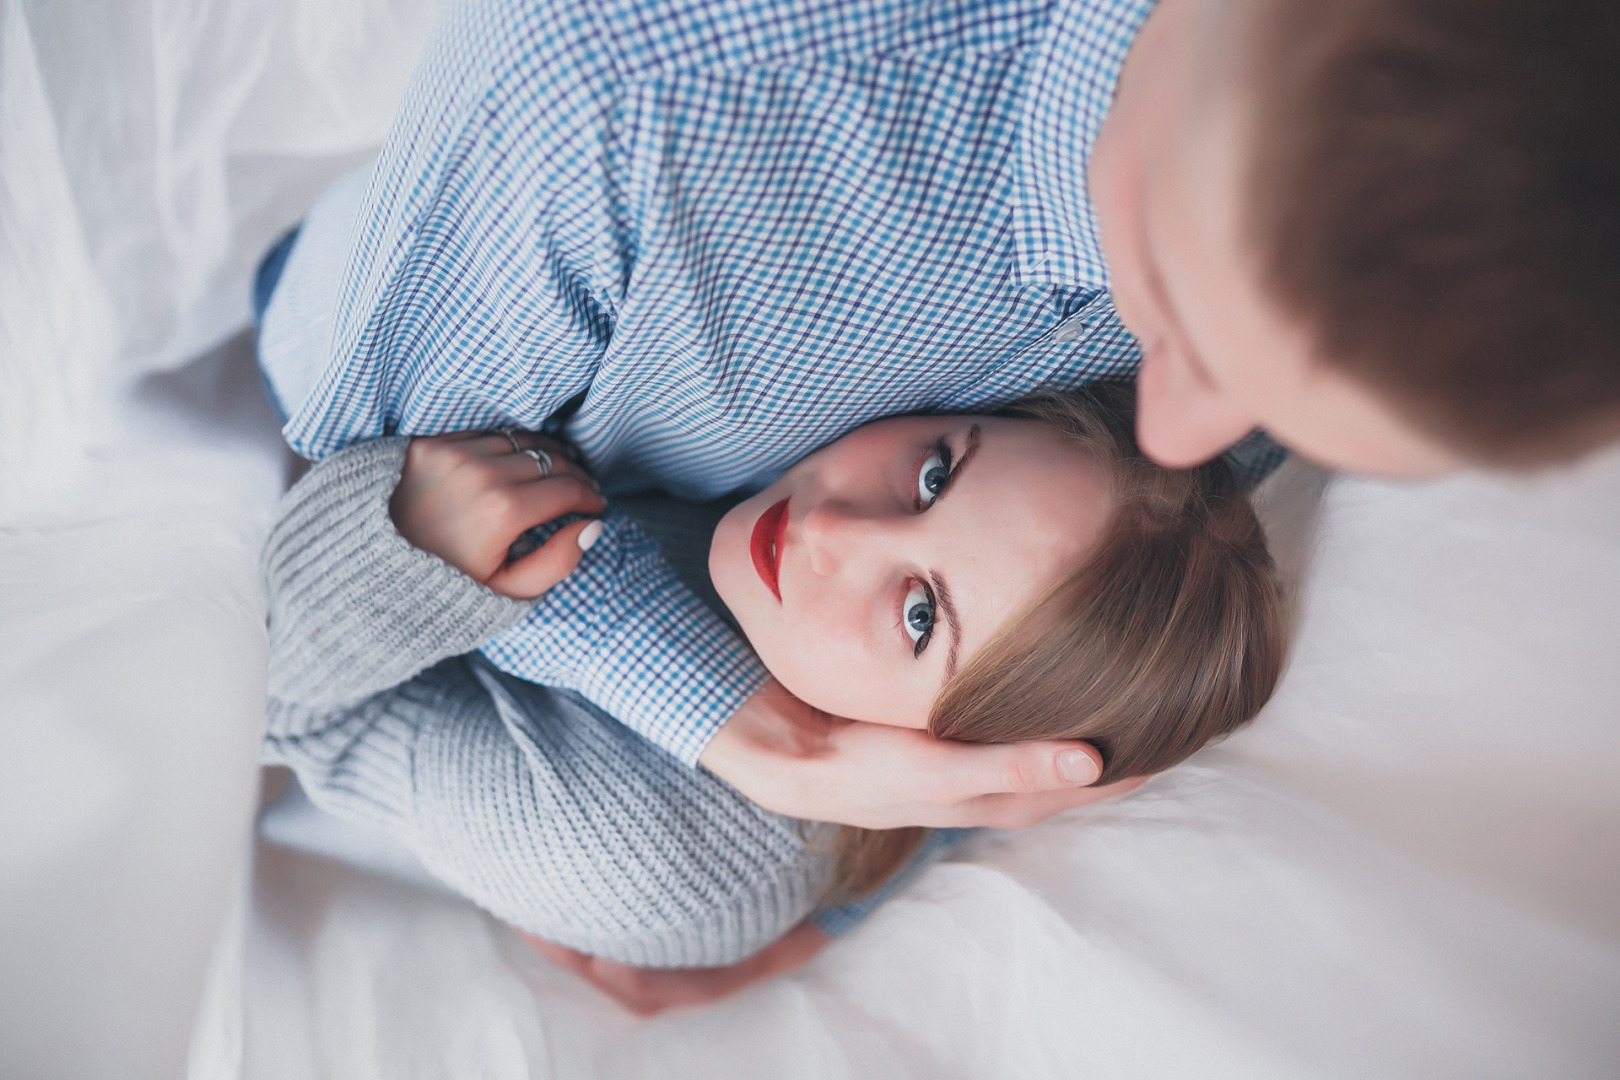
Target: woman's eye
[(917, 615), (932, 478)]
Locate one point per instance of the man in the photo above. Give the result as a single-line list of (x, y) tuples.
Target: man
[(1385, 232), (1382, 230)]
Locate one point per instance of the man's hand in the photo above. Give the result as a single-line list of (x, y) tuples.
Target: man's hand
[(645, 991), (466, 497), (789, 758)]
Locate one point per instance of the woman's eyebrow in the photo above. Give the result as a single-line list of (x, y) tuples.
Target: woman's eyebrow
[(967, 455), (942, 593)]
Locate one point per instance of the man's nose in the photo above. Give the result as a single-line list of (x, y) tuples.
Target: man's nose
[(838, 534)]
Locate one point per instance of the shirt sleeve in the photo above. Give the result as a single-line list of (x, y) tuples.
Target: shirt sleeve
[(492, 227), (626, 635), (488, 255)]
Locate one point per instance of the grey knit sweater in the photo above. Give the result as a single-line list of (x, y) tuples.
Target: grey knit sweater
[(530, 801)]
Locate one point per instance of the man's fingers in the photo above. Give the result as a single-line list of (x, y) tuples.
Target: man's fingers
[(1019, 768), (1007, 811), (1014, 785), (1050, 766), (535, 573)]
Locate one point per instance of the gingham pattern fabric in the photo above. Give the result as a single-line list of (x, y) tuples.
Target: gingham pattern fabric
[(742, 229)]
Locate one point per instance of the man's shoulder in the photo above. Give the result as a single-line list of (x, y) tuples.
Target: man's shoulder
[(638, 38)]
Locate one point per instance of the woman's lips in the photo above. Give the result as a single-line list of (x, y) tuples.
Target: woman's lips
[(766, 545)]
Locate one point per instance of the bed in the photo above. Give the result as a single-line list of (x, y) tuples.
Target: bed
[(1406, 867)]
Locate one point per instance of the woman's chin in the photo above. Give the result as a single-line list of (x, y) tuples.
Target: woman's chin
[(731, 572), (918, 724)]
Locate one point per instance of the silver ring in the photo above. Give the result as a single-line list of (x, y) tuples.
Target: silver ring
[(542, 459), (510, 434)]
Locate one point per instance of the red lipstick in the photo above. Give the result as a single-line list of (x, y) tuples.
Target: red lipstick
[(766, 544)]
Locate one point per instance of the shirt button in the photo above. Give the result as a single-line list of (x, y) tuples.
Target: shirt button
[(1070, 330)]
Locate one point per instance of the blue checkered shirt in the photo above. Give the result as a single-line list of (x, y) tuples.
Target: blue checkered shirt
[(740, 229)]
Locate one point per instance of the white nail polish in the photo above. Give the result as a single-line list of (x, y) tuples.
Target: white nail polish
[(589, 535)]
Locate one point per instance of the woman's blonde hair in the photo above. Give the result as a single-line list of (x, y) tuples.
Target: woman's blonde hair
[(1169, 634)]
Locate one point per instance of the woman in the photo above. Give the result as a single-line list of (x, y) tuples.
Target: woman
[(992, 577)]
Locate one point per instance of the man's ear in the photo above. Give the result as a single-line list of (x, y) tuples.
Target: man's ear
[(1182, 418)]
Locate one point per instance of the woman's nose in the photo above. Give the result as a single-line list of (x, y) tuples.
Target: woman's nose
[(838, 534)]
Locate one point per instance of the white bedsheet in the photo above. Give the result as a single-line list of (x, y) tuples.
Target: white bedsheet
[(1406, 867)]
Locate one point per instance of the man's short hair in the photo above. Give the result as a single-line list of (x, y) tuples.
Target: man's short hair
[(1437, 194)]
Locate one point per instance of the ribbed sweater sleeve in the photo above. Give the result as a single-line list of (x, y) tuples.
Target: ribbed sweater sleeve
[(531, 801), (355, 608)]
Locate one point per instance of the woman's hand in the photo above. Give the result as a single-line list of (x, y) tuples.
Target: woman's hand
[(467, 497), (646, 991), (792, 759)]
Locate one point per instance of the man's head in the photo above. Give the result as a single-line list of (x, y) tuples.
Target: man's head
[(1387, 231)]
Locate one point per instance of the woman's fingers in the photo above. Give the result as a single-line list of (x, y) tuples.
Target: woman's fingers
[(466, 497), (522, 506), (513, 469), (517, 456), (646, 991), (536, 458), (508, 441), (535, 573), (560, 955)]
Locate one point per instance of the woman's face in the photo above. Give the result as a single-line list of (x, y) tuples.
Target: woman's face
[(876, 567)]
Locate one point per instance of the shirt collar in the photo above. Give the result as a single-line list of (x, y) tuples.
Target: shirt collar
[(1068, 90)]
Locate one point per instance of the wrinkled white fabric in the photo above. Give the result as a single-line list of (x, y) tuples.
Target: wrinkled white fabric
[(1406, 867), (149, 151)]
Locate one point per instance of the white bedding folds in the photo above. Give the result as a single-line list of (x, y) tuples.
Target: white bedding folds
[(1406, 867)]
